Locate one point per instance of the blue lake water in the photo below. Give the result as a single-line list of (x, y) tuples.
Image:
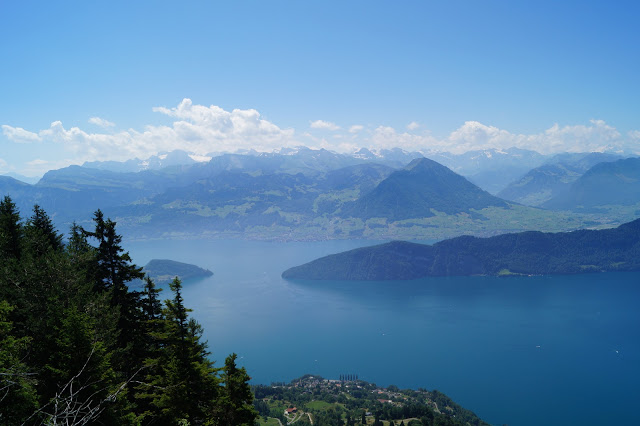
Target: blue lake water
[(550, 350)]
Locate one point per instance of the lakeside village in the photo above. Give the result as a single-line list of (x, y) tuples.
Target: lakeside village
[(350, 401)]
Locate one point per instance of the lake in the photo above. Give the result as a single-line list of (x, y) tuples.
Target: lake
[(551, 350)]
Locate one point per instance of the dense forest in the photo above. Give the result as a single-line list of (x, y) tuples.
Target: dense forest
[(77, 346), (524, 253)]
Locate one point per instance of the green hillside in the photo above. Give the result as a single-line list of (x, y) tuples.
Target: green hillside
[(313, 400), (524, 253)]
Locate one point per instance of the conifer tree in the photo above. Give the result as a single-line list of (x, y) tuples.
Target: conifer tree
[(18, 398), (76, 338), (10, 230), (155, 342), (186, 385), (40, 234), (113, 270), (236, 400)]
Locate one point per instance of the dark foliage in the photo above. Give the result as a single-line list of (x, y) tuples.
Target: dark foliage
[(78, 347), (616, 249)]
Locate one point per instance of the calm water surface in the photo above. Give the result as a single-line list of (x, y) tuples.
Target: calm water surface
[(523, 351)]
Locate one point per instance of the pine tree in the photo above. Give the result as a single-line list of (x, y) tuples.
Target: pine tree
[(86, 338), (18, 398), (184, 386), (113, 270), (236, 401), (10, 230), (40, 234)]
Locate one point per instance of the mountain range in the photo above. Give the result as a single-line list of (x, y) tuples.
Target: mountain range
[(554, 178), (303, 194), (611, 183)]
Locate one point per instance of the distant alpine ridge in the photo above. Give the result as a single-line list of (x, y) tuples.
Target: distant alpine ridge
[(554, 178), (525, 253), (608, 183), (307, 194)]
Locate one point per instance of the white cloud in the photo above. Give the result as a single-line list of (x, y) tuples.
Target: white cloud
[(204, 129), (37, 162), (326, 125), (18, 134), (473, 135), (101, 122), (413, 126), (39, 167), (200, 130), (387, 137), (597, 136)]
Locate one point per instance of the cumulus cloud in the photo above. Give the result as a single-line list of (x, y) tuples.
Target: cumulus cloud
[(198, 129), (597, 136), (39, 167), (18, 134), (473, 135), (326, 125), (387, 137), (201, 129), (101, 122), (204, 129)]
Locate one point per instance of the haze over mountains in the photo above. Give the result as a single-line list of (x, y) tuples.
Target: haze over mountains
[(417, 191), (318, 194), (553, 178)]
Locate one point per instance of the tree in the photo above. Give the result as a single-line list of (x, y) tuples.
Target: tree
[(40, 234), (181, 383), (236, 399), (18, 396), (113, 269), (78, 347), (10, 230)]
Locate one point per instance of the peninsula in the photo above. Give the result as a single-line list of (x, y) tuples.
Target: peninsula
[(524, 253)]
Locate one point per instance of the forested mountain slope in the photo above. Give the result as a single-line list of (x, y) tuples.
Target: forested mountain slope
[(616, 249)]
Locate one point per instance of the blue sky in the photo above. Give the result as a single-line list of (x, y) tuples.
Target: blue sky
[(97, 80)]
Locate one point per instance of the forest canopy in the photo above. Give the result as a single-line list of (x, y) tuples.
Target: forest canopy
[(77, 346)]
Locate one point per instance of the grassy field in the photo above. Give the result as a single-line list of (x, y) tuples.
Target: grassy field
[(270, 422), (317, 405)]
